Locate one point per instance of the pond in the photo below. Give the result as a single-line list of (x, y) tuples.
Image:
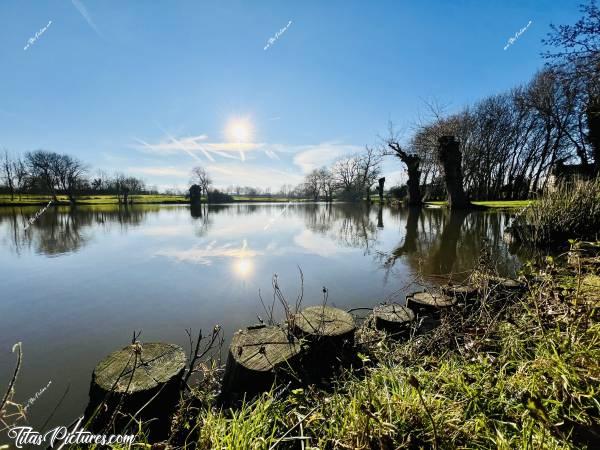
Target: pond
[(78, 282)]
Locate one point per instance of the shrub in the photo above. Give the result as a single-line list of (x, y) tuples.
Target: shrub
[(570, 210), (216, 196), (398, 192)]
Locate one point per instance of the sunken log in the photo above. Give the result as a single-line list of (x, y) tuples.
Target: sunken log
[(257, 357), (326, 325), (429, 302), (460, 292), (141, 380), (393, 318)]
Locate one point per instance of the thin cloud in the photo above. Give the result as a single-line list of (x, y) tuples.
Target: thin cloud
[(159, 171), (86, 15), (192, 145), (313, 157)]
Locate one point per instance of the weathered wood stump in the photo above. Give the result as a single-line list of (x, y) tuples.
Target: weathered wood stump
[(257, 356), (460, 292), (393, 318), (138, 377), (429, 302), (330, 335), (326, 324), (505, 286)]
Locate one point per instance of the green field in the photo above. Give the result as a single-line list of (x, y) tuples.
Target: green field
[(32, 199)]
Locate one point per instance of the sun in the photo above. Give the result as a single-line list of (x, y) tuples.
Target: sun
[(243, 267), (239, 130)]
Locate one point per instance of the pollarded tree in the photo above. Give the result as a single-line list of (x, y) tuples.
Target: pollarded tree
[(413, 166)]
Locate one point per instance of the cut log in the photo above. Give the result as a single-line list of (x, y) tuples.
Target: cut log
[(257, 356), (324, 323), (329, 333), (429, 302), (460, 292), (393, 318), (139, 376), (505, 286)]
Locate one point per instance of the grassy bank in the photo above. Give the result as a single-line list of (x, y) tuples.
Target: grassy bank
[(508, 204), (518, 371), (32, 199)]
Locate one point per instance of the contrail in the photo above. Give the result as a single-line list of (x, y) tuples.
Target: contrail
[(86, 15)]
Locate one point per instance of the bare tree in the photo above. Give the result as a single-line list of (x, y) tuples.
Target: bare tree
[(8, 174), (576, 59), (202, 179), (413, 166), (41, 166), (326, 183), (68, 172), (312, 184), (20, 174), (369, 166)]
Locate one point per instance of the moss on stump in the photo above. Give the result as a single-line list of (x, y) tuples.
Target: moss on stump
[(393, 318), (257, 356), (140, 376)]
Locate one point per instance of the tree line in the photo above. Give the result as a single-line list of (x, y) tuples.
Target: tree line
[(505, 146), (511, 142), (45, 172)]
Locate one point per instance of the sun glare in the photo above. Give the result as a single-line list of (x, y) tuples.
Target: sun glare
[(239, 130), (243, 267)]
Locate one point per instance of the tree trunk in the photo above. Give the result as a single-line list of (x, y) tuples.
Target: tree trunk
[(413, 163), (451, 159), (593, 118)]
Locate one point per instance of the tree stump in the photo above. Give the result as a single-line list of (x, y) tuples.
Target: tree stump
[(139, 376), (460, 292), (393, 318), (330, 335), (505, 286), (427, 302), (257, 356), (326, 324)]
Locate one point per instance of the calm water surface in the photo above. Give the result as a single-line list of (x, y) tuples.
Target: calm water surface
[(75, 285)]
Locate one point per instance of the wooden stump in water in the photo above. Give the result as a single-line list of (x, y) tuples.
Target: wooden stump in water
[(140, 376), (429, 302), (460, 292), (393, 318), (256, 356)]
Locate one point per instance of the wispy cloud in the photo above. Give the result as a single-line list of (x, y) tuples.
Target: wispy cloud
[(160, 171), (315, 156), (205, 255), (197, 145), (86, 15), (251, 175)]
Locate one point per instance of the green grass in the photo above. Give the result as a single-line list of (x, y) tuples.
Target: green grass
[(568, 210), (492, 203), (524, 377), (31, 199)]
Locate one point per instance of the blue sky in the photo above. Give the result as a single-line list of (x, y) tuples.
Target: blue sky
[(152, 88)]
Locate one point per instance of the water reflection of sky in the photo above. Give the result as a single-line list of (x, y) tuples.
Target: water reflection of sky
[(78, 282)]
